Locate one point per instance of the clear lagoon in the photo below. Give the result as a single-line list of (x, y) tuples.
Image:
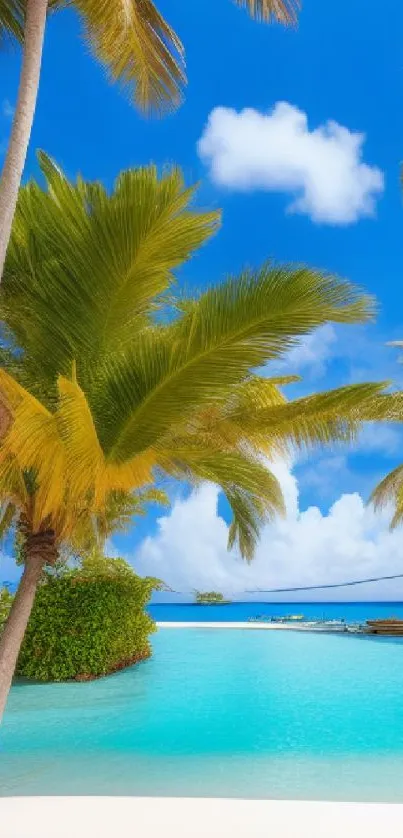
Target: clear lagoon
[(219, 713)]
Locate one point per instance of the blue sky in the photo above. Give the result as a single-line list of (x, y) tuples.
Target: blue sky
[(341, 64)]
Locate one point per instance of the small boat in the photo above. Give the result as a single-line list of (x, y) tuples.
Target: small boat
[(267, 618), (326, 625)]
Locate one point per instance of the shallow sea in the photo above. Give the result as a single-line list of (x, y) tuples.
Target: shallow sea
[(220, 713)]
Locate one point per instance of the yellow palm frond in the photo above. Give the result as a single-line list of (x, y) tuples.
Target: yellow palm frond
[(138, 47), (284, 11), (84, 459), (90, 476), (389, 492), (34, 442), (12, 486)]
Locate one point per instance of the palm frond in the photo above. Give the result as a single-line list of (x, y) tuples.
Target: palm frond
[(323, 418), (283, 11), (84, 459), (253, 492), (7, 517), (121, 509), (231, 330), (33, 445), (138, 47), (12, 486), (84, 268), (390, 492), (386, 407), (12, 14)]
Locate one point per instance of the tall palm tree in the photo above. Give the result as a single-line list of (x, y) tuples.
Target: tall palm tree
[(130, 37), (111, 382)]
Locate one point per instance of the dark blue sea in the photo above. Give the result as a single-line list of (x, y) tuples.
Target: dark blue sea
[(351, 612)]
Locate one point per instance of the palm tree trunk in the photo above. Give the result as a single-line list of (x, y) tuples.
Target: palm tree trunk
[(39, 549), (35, 22), (14, 630)]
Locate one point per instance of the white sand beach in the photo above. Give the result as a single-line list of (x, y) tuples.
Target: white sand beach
[(241, 625), (104, 817)]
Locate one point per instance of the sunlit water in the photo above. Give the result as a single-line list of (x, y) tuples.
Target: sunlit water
[(219, 713)]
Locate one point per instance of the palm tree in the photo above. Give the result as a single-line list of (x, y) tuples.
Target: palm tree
[(111, 382), (130, 37)]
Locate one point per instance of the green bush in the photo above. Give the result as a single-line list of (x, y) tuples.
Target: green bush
[(87, 623), (210, 598), (5, 604)]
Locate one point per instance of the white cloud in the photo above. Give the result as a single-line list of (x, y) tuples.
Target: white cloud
[(349, 542), (384, 439), (321, 168), (311, 354)]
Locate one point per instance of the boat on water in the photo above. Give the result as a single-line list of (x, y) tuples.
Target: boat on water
[(302, 623), (326, 625), (391, 627), (267, 618)]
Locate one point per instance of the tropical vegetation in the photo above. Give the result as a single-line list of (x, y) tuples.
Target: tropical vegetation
[(88, 622), (112, 384), (6, 599), (389, 492), (132, 40), (210, 598)]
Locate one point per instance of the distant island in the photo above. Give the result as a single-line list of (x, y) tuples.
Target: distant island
[(210, 598)]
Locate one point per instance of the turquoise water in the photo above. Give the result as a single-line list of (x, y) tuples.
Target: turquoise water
[(219, 713)]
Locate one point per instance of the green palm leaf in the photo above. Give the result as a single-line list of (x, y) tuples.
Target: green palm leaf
[(253, 492), (323, 418), (12, 13), (389, 492), (85, 267), (141, 395), (228, 332)]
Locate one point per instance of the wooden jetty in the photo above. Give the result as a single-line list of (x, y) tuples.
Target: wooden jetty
[(390, 627)]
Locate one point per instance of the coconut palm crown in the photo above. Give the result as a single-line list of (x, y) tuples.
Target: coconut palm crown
[(110, 383)]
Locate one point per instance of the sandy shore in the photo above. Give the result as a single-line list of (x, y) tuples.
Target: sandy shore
[(221, 625), (104, 817)]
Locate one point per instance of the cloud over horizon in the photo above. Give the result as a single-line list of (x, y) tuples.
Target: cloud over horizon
[(350, 541), (321, 169)]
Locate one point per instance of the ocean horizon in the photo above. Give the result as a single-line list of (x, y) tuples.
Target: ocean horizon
[(352, 611)]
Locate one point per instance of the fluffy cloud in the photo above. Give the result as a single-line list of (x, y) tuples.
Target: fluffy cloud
[(321, 168), (349, 542), (310, 356)]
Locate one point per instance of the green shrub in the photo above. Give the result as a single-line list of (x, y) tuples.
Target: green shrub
[(210, 598), (88, 622), (5, 604)]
